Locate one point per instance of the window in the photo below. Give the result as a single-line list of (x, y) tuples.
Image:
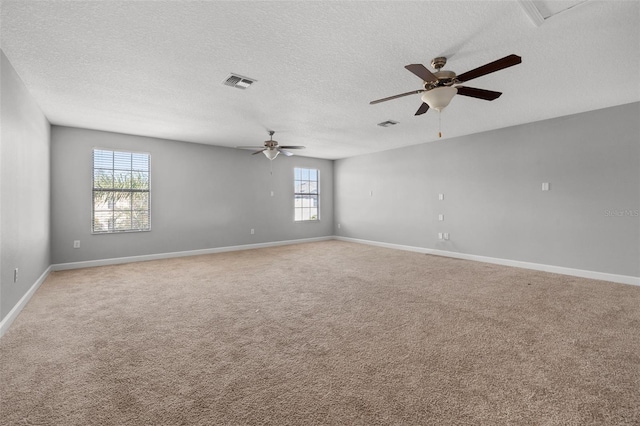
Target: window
[(306, 195), (120, 192)]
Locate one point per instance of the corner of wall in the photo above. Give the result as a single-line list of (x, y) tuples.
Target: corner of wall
[(25, 190)]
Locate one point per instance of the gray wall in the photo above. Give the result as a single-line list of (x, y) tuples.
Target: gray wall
[(24, 188), (201, 197), (493, 203)]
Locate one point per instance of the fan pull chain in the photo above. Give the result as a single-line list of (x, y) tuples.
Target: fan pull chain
[(440, 123), (271, 168), (271, 178)]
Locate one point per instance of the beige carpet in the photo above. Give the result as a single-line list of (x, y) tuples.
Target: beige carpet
[(322, 333)]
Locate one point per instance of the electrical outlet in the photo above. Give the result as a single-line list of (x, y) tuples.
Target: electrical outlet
[(440, 197), (76, 244), (446, 236), (441, 217), (440, 236), (15, 275), (253, 231)]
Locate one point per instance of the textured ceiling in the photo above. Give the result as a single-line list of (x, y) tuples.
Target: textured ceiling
[(156, 68)]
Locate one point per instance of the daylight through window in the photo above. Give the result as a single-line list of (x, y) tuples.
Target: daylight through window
[(120, 191), (306, 207)]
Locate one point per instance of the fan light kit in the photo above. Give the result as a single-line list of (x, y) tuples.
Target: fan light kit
[(271, 148), (439, 88), (439, 97)]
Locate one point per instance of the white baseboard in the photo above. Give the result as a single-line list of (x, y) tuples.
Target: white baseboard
[(386, 245), (142, 258), (15, 311), (12, 315), (603, 276)]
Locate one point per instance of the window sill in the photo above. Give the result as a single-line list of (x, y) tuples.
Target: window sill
[(130, 231)]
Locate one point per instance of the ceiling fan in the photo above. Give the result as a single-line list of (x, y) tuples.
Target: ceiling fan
[(440, 87), (271, 148)]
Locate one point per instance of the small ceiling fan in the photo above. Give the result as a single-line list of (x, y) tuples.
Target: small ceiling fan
[(440, 87), (271, 148)]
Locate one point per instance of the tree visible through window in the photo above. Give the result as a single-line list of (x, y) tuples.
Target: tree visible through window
[(307, 194), (120, 191)]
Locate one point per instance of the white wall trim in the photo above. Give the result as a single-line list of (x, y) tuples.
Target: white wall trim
[(143, 258), (604, 276), (15, 311), (386, 245)]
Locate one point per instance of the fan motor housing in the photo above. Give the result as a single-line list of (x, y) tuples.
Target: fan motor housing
[(445, 75), (445, 78)]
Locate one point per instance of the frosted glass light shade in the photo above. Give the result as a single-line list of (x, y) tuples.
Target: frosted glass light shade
[(271, 153), (439, 97)]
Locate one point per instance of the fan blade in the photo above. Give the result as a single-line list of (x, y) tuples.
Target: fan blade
[(293, 147), (423, 108), (288, 154), (422, 72), (487, 95), (506, 62), (258, 152), (396, 96)]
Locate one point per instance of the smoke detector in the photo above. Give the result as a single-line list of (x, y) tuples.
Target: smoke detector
[(238, 81)]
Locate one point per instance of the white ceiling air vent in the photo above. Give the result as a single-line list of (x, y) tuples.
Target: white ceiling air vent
[(238, 81), (388, 123)]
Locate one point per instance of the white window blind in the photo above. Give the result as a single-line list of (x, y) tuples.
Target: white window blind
[(307, 194), (120, 192)]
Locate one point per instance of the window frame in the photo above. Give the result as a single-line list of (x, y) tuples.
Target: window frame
[(131, 190), (316, 194)]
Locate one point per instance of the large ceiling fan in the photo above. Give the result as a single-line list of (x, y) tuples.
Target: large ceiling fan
[(271, 148), (441, 86)]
